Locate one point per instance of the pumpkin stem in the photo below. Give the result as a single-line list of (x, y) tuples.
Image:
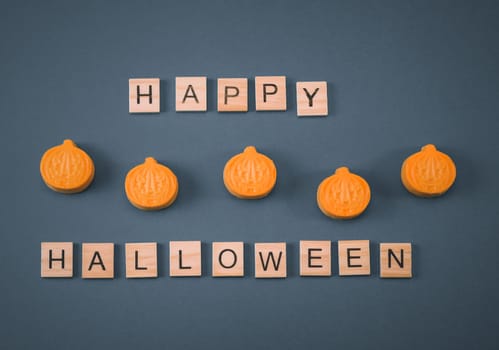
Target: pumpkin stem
[(429, 147), (68, 142), (342, 170), (250, 149), (150, 160)]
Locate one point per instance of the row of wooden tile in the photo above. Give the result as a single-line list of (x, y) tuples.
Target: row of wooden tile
[(227, 259), (232, 95)]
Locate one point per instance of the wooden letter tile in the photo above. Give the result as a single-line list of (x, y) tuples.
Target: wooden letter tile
[(97, 260), (395, 260), (141, 260), (270, 93), (232, 95), (315, 258), (353, 258), (190, 94), (57, 259), (270, 260), (228, 259), (185, 258), (311, 98), (144, 95)]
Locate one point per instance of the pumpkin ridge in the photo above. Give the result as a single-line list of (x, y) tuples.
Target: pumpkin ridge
[(66, 168), (151, 186), (343, 195), (250, 174), (428, 173)]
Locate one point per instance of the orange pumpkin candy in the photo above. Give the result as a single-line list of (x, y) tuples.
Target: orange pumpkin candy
[(66, 168), (343, 195), (250, 175), (428, 173), (151, 186)]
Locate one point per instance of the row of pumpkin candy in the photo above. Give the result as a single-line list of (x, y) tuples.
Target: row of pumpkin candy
[(249, 175)]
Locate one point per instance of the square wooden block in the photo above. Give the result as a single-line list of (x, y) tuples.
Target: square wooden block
[(270, 260), (228, 259), (395, 260), (270, 93), (232, 94), (311, 98), (315, 258), (57, 259), (185, 258), (97, 260), (354, 258), (190, 94), (144, 95), (141, 260)]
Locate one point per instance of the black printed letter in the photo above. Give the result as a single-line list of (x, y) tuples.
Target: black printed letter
[(400, 262), (265, 92), (137, 267), (226, 95), (270, 256), (310, 257), (349, 257), (180, 266), (310, 97), (190, 88), (233, 262), (61, 259), (139, 95), (99, 262)]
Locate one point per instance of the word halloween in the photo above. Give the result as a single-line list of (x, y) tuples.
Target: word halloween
[(270, 95), (227, 259)]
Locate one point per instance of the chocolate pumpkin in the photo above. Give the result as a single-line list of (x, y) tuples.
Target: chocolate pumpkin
[(343, 195), (151, 186), (428, 173), (67, 168), (250, 175)]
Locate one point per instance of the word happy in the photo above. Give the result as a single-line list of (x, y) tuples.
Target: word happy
[(232, 95), (270, 259)]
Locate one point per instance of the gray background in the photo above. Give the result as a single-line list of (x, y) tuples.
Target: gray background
[(401, 74)]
